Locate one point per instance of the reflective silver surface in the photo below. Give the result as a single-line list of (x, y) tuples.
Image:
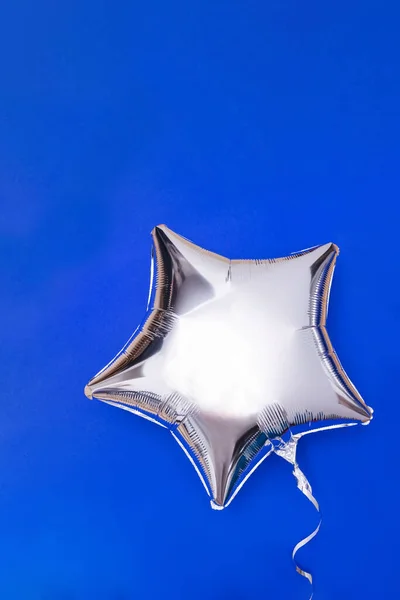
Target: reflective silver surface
[(232, 356)]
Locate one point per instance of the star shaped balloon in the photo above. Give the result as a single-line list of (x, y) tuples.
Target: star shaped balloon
[(231, 357)]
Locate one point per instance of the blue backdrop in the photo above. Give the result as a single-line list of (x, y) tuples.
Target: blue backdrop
[(255, 129)]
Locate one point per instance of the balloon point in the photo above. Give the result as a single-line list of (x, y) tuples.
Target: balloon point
[(216, 506), (88, 392)]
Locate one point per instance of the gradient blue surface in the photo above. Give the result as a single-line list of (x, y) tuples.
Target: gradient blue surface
[(255, 129)]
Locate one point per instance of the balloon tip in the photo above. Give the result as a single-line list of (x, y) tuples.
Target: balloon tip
[(161, 226), (88, 392), (216, 506)]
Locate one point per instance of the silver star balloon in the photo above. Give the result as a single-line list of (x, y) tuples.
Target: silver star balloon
[(232, 356)]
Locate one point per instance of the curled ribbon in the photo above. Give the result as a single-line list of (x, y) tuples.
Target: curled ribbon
[(287, 450)]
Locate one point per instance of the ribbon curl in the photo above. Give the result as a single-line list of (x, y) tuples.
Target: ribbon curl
[(288, 451)]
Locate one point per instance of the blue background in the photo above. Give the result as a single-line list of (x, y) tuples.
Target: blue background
[(255, 129)]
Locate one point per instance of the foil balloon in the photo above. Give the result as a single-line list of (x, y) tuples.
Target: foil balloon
[(234, 359)]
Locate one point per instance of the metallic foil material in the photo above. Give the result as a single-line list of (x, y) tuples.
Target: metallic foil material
[(234, 359)]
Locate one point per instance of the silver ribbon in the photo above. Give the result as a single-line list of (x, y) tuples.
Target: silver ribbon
[(288, 451)]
